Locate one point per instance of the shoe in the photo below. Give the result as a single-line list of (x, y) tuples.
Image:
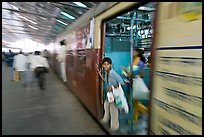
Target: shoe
[(104, 121), (42, 88), (114, 129)]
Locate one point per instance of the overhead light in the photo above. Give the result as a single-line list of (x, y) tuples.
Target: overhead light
[(146, 8), (32, 27), (80, 4), (27, 19), (80, 12), (16, 8), (62, 22), (67, 15)]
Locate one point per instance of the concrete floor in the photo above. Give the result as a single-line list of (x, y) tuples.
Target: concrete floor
[(54, 111)]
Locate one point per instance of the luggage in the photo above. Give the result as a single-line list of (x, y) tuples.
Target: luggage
[(120, 99), (16, 76), (140, 90)]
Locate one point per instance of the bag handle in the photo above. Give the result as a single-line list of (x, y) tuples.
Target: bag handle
[(119, 86), (112, 87)]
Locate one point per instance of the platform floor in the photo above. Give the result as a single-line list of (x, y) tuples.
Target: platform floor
[(54, 111)]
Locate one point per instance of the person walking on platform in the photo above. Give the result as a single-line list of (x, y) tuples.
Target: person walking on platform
[(19, 64), (62, 59), (41, 66), (111, 79), (10, 57)]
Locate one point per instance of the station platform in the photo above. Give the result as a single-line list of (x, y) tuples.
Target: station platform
[(53, 111)]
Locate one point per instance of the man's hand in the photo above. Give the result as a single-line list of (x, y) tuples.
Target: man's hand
[(109, 89), (99, 72)]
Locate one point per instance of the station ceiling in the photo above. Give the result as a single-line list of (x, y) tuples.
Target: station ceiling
[(39, 21)]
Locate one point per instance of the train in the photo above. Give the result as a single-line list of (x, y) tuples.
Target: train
[(105, 30)]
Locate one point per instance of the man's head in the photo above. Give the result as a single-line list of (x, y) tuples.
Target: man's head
[(21, 52), (107, 63), (63, 43), (37, 53)]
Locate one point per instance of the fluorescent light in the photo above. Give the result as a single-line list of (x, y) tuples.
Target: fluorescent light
[(146, 8), (27, 19), (16, 8), (80, 4), (67, 15), (32, 27), (62, 22)]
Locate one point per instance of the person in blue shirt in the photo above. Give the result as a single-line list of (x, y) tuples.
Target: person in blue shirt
[(111, 79)]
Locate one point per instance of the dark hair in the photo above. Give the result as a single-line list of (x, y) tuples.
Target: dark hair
[(107, 59), (37, 53), (140, 54), (63, 42)]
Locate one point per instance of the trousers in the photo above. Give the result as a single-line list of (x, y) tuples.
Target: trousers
[(40, 74), (63, 71), (111, 112)]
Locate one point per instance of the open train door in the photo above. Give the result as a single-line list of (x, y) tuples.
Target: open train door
[(120, 33), (176, 77)]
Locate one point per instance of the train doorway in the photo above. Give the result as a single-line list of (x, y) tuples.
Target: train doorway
[(124, 33)]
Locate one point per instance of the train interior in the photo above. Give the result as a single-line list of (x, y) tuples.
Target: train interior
[(117, 47)]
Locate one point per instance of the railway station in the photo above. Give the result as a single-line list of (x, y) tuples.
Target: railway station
[(101, 68)]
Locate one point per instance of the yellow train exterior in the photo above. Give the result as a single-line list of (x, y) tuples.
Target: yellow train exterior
[(176, 103), (177, 37)]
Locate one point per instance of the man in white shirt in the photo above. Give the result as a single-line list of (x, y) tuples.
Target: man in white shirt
[(40, 66), (19, 64), (62, 59)]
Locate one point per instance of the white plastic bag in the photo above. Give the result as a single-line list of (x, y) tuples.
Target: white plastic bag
[(110, 97), (140, 90), (120, 99)]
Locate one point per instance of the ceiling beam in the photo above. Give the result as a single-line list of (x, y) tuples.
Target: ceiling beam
[(37, 7), (47, 17), (15, 20), (28, 33), (31, 13), (12, 25), (62, 8), (21, 26), (27, 22)]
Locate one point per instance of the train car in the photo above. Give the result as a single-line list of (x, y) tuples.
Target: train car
[(112, 29)]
